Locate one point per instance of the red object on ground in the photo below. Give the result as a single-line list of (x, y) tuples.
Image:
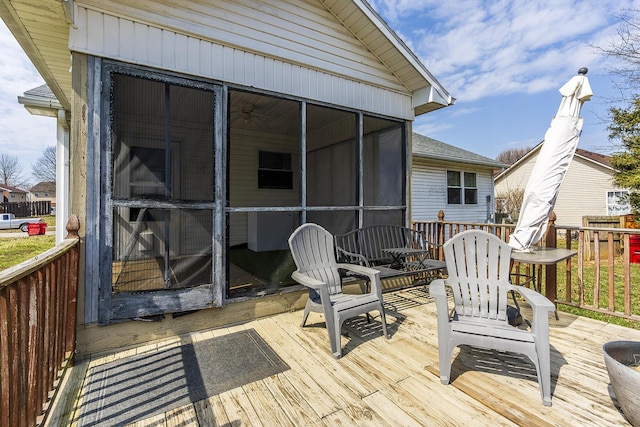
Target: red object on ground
[(43, 228), (634, 248), (33, 229)]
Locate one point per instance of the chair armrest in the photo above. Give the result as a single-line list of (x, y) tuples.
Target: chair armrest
[(307, 281), (437, 289), (535, 299), (541, 308), (371, 273)]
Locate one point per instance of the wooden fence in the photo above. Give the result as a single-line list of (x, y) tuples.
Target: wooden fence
[(608, 289), (38, 301), (27, 209)]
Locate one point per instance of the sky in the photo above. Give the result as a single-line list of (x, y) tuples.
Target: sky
[(503, 61)]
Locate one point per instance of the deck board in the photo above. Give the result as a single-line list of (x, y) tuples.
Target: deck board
[(396, 382)]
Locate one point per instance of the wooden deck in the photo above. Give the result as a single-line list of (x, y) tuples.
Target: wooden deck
[(395, 382)]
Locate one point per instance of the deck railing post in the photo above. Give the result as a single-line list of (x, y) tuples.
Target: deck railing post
[(551, 276), (440, 234)]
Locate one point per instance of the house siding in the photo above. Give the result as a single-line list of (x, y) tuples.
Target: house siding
[(244, 186), (583, 192), (429, 191), (222, 42)]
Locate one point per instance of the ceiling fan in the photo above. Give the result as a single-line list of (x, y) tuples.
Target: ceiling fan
[(252, 119)]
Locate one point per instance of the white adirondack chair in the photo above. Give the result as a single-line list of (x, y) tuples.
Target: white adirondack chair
[(313, 251), (478, 265)]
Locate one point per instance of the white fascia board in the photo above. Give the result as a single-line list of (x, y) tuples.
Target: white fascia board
[(439, 93)]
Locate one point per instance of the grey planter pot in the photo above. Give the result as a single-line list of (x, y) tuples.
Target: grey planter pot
[(619, 356)]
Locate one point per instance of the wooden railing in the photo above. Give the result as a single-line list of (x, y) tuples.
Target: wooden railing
[(578, 283), (38, 301)]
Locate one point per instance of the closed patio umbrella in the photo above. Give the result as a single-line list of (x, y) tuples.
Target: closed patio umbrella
[(551, 166)]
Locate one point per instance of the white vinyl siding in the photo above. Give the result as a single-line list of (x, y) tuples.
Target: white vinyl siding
[(245, 191), (429, 192), (337, 68), (583, 192)]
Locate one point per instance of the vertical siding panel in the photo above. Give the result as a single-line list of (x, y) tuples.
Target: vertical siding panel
[(286, 77), (238, 66), (249, 69), (154, 46), (125, 28), (95, 31), (277, 75), (112, 35), (259, 66), (217, 56), (205, 55), (303, 81), (78, 34), (181, 52), (140, 42), (295, 79), (227, 58), (268, 73), (193, 59), (168, 50)]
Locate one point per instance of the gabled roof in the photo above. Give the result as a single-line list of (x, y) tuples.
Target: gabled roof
[(11, 189), (600, 159), (429, 148), (44, 186), (42, 30)]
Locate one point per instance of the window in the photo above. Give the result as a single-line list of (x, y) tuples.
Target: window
[(618, 202), (470, 189), (457, 187), (274, 170)]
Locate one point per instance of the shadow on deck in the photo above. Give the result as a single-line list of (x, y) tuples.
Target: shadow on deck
[(390, 382)]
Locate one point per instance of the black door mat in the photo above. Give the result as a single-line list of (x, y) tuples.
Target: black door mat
[(137, 387)]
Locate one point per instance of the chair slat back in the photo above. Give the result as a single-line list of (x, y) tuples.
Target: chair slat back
[(478, 266), (312, 248)]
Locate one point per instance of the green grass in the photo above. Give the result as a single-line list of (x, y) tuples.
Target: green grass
[(603, 295), (15, 250), (603, 302)]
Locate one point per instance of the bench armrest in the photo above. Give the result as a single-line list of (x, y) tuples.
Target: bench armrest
[(352, 257)]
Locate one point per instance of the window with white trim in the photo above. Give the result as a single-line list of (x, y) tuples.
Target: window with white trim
[(462, 188), (618, 202)]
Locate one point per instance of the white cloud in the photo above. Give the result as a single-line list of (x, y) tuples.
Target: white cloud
[(483, 48), (21, 134)]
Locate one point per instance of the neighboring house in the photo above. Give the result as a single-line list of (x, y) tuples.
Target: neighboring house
[(452, 179), (199, 126), (12, 194), (44, 191), (587, 190), (41, 101)]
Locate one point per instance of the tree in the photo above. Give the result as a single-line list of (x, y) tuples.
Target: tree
[(625, 121), (512, 155), (45, 167), (625, 52), (508, 203), (10, 170), (625, 128)]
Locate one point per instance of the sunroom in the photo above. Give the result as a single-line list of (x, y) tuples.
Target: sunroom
[(202, 133)]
